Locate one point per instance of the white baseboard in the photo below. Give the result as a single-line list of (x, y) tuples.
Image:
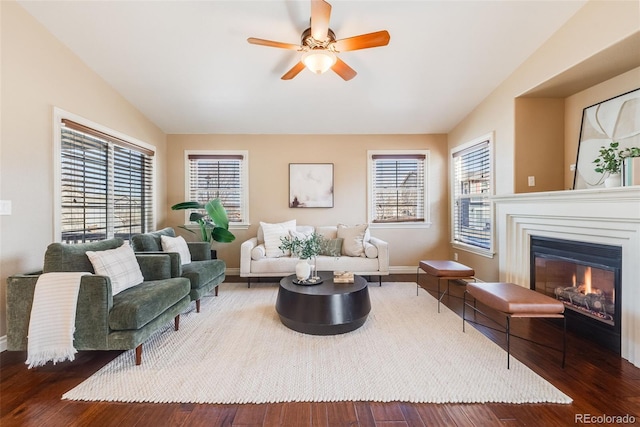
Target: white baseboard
[(398, 269), (232, 271), (3, 343), (403, 269)]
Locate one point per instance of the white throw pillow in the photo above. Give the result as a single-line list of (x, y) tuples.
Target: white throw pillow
[(120, 265), (354, 238), (176, 244), (258, 252), (273, 233)]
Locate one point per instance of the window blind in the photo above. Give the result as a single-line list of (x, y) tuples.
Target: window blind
[(106, 186), (472, 188), (132, 192), (218, 176), (398, 193)]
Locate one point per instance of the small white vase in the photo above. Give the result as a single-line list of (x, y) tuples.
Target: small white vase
[(613, 180), (303, 270)]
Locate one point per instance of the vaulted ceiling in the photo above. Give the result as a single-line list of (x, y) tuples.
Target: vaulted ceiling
[(188, 67)]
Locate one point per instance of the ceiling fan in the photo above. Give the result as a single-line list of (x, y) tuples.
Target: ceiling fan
[(319, 45)]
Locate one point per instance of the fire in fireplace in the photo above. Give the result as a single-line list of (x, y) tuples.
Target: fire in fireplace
[(586, 277), (590, 289)]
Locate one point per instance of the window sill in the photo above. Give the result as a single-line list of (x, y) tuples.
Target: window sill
[(397, 225), (232, 226), (474, 250), (239, 226)]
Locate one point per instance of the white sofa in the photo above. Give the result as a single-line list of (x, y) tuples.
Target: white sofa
[(373, 262)]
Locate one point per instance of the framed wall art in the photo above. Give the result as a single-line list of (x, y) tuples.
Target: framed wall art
[(310, 185), (614, 120)]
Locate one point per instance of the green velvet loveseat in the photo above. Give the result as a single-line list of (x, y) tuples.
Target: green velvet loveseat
[(204, 273), (103, 321)]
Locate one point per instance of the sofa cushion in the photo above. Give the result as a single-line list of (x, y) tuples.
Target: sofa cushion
[(66, 257), (301, 233), (200, 273), (331, 247), (347, 263), (328, 231), (307, 229), (139, 305), (151, 242), (176, 244), (272, 234), (354, 238), (119, 265)]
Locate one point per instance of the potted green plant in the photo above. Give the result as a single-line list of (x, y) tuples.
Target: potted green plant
[(304, 248), (609, 163), (610, 160), (213, 228)]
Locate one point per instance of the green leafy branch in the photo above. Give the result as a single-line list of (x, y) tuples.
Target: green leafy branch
[(303, 248)]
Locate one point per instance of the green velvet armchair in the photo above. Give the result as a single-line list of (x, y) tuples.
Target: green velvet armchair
[(103, 321), (204, 273)]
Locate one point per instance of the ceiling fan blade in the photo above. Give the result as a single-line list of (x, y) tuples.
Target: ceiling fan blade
[(293, 71), (343, 70), (270, 43), (320, 15), (363, 41)]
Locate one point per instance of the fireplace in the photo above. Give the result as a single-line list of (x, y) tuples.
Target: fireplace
[(586, 277), (606, 216)]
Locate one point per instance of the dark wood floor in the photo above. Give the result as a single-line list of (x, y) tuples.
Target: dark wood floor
[(600, 383)]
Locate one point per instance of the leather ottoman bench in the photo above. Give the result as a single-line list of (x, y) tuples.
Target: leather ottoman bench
[(515, 302), (444, 270)]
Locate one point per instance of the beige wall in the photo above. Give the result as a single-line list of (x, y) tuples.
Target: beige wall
[(594, 28), (39, 73), (269, 158), (539, 148)]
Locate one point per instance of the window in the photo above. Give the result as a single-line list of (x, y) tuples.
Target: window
[(222, 175), (106, 185), (472, 188), (397, 186)]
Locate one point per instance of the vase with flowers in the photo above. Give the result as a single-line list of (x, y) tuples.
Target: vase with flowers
[(305, 248)]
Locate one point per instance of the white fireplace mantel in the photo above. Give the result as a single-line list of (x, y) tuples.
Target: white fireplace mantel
[(608, 216)]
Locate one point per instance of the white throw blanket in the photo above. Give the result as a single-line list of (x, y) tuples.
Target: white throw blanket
[(53, 318)]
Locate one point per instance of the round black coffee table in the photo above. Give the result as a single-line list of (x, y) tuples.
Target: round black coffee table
[(324, 309)]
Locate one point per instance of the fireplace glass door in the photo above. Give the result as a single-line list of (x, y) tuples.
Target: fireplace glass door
[(586, 277), (587, 289)]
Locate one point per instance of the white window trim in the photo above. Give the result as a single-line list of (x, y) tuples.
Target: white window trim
[(489, 253), (60, 114), (396, 225), (245, 185)]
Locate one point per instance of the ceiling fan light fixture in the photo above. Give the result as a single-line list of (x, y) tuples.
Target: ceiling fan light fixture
[(319, 60), (319, 45)]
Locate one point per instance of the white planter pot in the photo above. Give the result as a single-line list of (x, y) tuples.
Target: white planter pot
[(613, 180), (303, 270)]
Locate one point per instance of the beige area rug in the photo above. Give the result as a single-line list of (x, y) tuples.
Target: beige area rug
[(237, 351)]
